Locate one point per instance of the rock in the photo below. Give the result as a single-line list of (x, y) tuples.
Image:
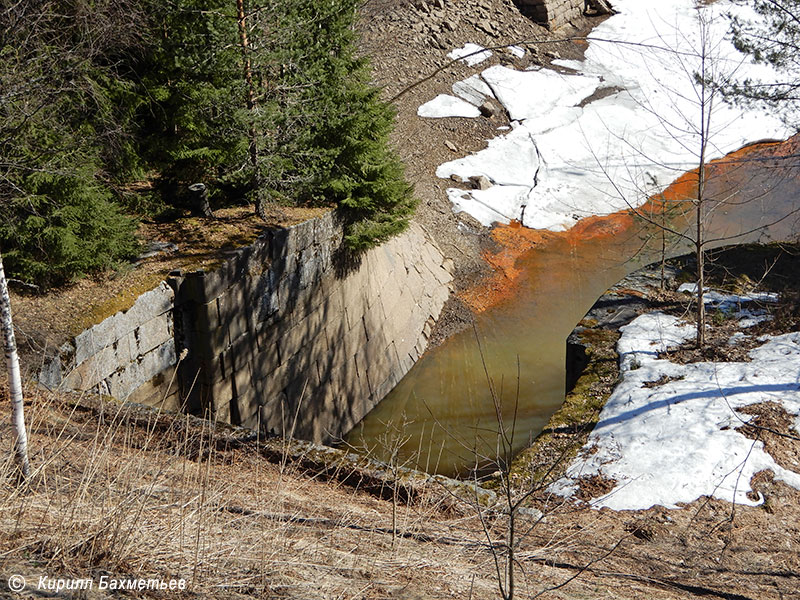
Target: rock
[(480, 182), (452, 147), (155, 248), (486, 26), (530, 512), (599, 7), (489, 108), (438, 3), (552, 54)]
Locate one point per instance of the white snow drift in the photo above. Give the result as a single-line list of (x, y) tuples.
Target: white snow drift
[(447, 106), (472, 54), (575, 156), (674, 442)]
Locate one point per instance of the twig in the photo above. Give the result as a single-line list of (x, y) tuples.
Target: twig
[(23, 283), (581, 570)]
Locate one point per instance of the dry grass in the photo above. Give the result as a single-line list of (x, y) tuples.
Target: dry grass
[(130, 492)]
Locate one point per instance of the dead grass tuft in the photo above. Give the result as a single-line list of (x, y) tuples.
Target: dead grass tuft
[(131, 492), (594, 486)]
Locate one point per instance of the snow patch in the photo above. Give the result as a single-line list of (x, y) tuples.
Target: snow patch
[(472, 54), (749, 318), (473, 90), (447, 106), (482, 204), (509, 160), (533, 94), (637, 137), (673, 443)]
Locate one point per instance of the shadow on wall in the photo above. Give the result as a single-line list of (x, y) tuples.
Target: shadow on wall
[(289, 338), (282, 337), (553, 13)]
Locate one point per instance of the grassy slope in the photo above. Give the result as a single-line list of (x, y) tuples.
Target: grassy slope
[(130, 492)]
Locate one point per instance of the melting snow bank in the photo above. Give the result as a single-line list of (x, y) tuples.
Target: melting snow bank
[(472, 54), (569, 157), (447, 106), (673, 442)]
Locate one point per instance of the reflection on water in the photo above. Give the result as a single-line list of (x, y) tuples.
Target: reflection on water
[(443, 407)]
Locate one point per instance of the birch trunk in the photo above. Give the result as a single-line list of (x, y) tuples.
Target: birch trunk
[(14, 377)]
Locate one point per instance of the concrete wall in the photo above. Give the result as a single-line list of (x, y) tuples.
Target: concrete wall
[(130, 355), (285, 333), (551, 13)]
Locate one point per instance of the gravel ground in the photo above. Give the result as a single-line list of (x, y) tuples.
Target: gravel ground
[(407, 43)]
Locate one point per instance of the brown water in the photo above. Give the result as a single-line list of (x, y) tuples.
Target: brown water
[(443, 411)]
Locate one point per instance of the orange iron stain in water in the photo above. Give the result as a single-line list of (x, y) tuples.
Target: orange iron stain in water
[(513, 240)]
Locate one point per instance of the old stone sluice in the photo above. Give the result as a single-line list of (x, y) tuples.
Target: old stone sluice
[(284, 337), (281, 330), (444, 407), (280, 334)]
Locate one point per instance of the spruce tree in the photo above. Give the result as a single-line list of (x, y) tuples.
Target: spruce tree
[(324, 130), (256, 99), (191, 130), (773, 38), (60, 121), (269, 101)]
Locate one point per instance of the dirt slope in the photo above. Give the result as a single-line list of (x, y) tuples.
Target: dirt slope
[(406, 46), (407, 43)]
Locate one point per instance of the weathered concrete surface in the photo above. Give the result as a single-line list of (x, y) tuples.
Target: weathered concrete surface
[(285, 336), (551, 13), (123, 352), (289, 339)]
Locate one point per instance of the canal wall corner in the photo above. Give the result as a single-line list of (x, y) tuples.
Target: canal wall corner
[(552, 13), (288, 335)]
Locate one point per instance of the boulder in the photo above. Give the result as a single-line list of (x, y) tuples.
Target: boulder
[(480, 182), (489, 108)]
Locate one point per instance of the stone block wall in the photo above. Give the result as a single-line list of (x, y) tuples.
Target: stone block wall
[(284, 335), (551, 13), (285, 338), (130, 355)]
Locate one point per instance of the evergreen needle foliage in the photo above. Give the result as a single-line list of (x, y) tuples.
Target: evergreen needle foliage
[(771, 36), (262, 101), (60, 111)]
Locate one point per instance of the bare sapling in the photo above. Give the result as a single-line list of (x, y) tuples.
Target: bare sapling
[(694, 119)]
